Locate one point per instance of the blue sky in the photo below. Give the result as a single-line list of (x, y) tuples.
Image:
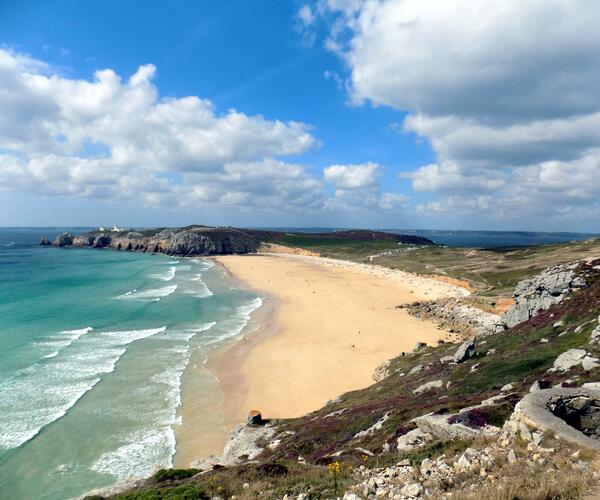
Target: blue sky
[(381, 112)]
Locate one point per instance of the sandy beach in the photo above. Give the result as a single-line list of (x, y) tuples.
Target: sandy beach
[(331, 323)]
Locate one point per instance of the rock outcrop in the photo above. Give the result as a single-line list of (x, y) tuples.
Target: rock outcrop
[(570, 414), (195, 240), (243, 445), (542, 291), (64, 240), (45, 242), (456, 316), (465, 351)]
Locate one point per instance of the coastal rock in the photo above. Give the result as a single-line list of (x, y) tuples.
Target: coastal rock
[(193, 240), (447, 427), (575, 357), (63, 240), (102, 241), (428, 386), (242, 446), (254, 418), (465, 351), (45, 242), (413, 439), (542, 291), (595, 335), (570, 414), (455, 316), (382, 371)]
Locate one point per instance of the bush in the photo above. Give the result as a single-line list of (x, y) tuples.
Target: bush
[(173, 474)]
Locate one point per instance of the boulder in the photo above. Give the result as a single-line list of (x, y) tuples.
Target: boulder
[(102, 241), (570, 414), (465, 351), (428, 386), (595, 335), (382, 371), (575, 357), (254, 418), (64, 240), (45, 242)]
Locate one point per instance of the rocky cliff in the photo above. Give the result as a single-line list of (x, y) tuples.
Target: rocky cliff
[(542, 291), (205, 240), (193, 240)]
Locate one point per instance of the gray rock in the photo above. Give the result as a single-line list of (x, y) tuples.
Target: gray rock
[(507, 387), (539, 385), (412, 490), (575, 357), (542, 291), (382, 371), (420, 345), (45, 242), (64, 240), (512, 458), (465, 351), (102, 241), (415, 369), (592, 385), (435, 384), (549, 410), (413, 439), (595, 335)]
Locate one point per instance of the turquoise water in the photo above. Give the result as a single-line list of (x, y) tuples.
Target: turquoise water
[(93, 345)]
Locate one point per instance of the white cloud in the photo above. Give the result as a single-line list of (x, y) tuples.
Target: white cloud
[(352, 176), (119, 140), (356, 188), (305, 15), (505, 92)]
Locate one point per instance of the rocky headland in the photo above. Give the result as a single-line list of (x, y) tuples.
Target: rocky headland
[(206, 240)]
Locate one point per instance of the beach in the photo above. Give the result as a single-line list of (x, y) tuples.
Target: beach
[(330, 324)]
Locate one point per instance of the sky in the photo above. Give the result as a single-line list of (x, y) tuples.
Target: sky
[(461, 114)]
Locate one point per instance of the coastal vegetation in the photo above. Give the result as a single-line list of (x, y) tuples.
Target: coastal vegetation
[(358, 442)]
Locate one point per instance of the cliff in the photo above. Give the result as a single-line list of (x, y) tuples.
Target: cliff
[(193, 240), (205, 240)]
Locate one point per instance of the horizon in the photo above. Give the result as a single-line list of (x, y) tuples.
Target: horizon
[(322, 113), (330, 228)]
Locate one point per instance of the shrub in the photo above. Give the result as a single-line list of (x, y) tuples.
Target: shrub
[(173, 474)]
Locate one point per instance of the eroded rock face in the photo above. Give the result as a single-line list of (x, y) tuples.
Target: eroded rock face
[(581, 412), (564, 412), (63, 240), (542, 291), (181, 242), (465, 351), (455, 316)]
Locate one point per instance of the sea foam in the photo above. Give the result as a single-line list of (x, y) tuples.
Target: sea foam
[(45, 391), (152, 295)]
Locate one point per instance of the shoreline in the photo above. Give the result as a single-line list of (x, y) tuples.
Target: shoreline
[(310, 346)]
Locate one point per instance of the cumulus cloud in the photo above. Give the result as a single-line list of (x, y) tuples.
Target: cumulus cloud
[(119, 140), (352, 176), (505, 92), (356, 187)]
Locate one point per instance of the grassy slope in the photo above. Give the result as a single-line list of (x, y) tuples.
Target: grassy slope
[(519, 358)]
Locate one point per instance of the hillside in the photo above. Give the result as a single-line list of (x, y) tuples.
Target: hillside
[(439, 422)]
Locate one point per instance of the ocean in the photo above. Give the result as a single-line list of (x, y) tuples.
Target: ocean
[(93, 348)]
